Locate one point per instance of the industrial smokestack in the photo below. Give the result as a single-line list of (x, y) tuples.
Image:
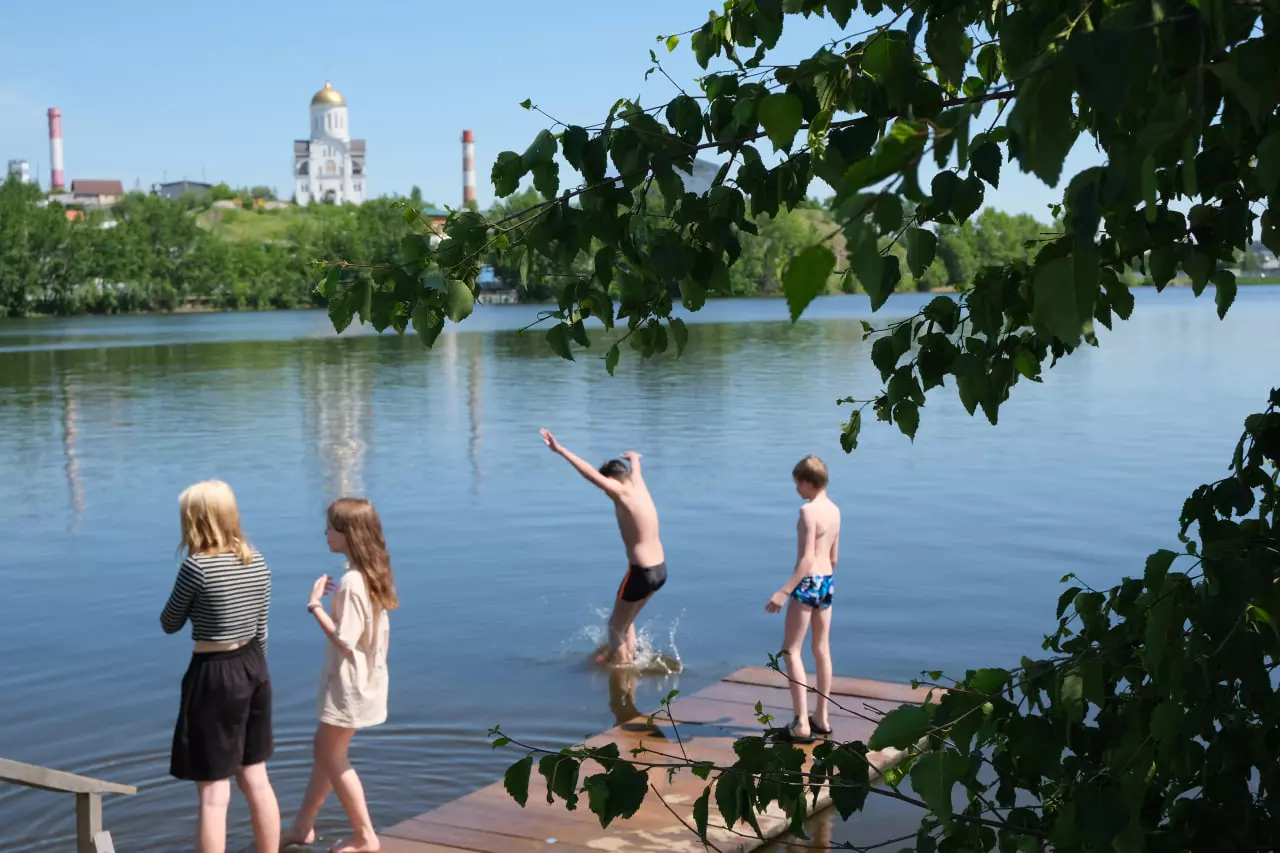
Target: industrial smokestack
[(468, 169), (56, 183)]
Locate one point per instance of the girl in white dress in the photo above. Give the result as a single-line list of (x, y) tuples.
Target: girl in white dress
[(353, 683)]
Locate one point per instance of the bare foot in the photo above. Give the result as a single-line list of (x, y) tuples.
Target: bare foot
[(294, 837), (357, 844)]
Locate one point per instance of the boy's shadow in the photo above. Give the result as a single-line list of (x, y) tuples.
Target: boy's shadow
[(623, 684)]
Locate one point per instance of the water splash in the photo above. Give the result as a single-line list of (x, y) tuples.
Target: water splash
[(653, 657)]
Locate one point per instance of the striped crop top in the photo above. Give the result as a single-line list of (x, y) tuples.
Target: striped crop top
[(225, 600)]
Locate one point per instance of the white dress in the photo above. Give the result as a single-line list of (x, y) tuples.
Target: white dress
[(353, 683)]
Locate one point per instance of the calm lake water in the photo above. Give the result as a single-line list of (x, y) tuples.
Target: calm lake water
[(506, 560)]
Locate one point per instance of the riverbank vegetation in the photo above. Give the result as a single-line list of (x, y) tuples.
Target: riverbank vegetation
[(154, 254)]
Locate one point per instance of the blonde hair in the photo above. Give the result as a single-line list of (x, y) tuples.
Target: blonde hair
[(358, 521), (211, 521), (811, 470)]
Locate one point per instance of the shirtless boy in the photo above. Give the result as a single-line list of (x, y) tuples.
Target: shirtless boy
[(809, 589), (638, 524)]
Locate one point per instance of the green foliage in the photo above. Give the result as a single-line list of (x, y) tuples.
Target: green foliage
[(154, 254), (1152, 725), (806, 277), (1189, 130)]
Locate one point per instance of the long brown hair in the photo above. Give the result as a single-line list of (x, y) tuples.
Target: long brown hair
[(357, 520), (211, 521)]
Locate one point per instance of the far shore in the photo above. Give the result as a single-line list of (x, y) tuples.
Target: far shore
[(206, 309)]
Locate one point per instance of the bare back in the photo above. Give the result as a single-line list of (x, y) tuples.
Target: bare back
[(823, 516), (638, 524)]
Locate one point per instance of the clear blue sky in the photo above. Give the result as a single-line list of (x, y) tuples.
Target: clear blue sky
[(151, 89)]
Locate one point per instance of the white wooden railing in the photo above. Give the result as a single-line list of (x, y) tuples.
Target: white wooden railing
[(90, 836)]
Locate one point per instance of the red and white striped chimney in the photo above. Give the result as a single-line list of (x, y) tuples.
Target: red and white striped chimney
[(55, 150), (468, 169)]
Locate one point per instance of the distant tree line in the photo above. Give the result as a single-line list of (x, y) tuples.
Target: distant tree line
[(155, 254), (991, 238), (152, 254)]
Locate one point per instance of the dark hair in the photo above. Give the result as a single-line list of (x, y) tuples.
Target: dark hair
[(615, 469)]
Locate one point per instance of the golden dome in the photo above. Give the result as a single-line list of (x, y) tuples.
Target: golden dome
[(327, 95)]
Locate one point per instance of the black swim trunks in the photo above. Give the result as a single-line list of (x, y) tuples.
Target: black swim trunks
[(641, 583)]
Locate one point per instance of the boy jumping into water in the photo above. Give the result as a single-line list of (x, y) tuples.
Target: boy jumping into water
[(638, 524), (810, 589)]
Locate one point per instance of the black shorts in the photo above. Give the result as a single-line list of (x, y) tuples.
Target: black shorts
[(641, 583), (224, 723)]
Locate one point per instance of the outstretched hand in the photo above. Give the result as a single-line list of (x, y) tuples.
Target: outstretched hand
[(550, 440), (322, 587), (631, 456)]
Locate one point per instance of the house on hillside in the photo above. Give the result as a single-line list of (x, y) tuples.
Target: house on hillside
[(177, 189), (435, 217), (96, 192)]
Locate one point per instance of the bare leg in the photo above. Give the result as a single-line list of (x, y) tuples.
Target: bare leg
[(263, 808), (211, 829), (303, 831), (822, 661), (798, 616), (333, 744), (622, 631)]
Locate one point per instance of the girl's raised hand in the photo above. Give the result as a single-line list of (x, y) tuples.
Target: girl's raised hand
[(322, 587)]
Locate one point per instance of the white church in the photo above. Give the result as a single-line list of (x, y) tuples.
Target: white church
[(328, 168)]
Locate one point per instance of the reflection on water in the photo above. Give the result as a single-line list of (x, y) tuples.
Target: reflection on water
[(475, 416), (336, 398), (954, 543), (622, 694), (75, 488)]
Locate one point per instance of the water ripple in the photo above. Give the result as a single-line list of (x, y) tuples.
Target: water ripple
[(507, 561)]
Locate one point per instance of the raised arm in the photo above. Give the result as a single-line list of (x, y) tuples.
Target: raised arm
[(175, 612), (345, 625), (633, 459), (608, 485)]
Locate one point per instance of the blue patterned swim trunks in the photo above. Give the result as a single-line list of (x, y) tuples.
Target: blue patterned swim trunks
[(815, 591)]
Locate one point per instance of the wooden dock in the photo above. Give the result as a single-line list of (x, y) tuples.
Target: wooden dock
[(489, 821)]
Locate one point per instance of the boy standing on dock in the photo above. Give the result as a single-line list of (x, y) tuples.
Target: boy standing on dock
[(810, 590), (638, 524)]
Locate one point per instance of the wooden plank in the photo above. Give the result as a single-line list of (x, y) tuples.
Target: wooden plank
[(391, 844), (700, 717), (102, 843), (485, 839), (840, 686), (56, 780), (88, 821), (706, 724), (772, 697), (651, 830)]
